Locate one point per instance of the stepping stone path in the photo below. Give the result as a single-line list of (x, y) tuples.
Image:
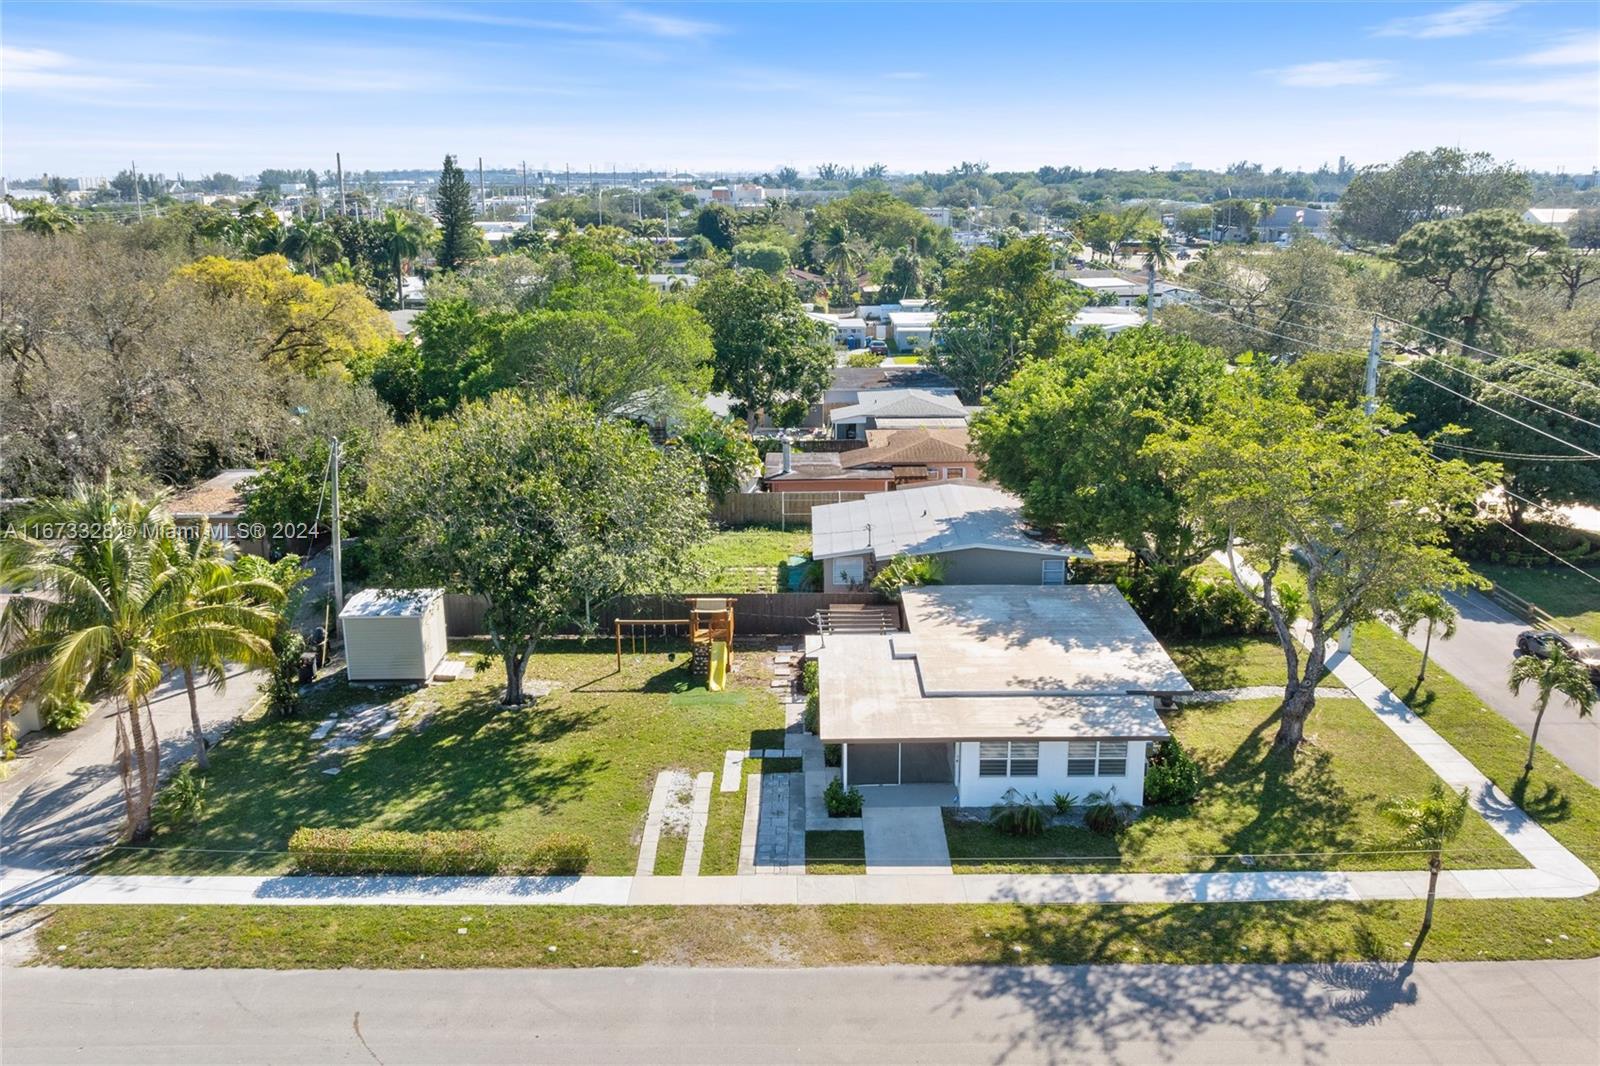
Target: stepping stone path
[(671, 810), (350, 727)]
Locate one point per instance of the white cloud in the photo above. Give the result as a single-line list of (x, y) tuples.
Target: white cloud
[(671, 26), (44, 68), (1332, 73), (905, 75), (1578, 91), (1462, 21), (1579, 50)]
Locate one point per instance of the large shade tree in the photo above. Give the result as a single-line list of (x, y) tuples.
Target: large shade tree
[(1367, 510), (538, 506), (767, 354)]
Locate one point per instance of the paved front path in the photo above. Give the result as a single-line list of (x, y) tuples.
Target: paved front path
[(1460, 1013), (905, 840), (63, 799), (1479, 656)]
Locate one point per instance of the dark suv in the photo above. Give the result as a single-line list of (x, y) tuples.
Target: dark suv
[(1540, 641)]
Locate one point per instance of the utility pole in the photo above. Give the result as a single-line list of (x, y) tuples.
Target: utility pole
[(138, 201), (483, 203), (527, 208), (1150, 288), (338, 533), (1373, 349), (338, 165)]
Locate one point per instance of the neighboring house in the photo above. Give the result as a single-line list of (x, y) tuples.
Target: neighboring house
[(1109, 320), (977, 533), (1128, 292), (897, 409), (413, 291), (911, 331), (844, 331), (404, 321), (997, 688), (893, 458), (1550, 216), (667, 283), (1286, 221), (219, 503)]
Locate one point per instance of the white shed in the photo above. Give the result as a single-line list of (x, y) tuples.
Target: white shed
[(394, 634)]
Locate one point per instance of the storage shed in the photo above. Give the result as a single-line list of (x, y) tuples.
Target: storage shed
[(394, 634)]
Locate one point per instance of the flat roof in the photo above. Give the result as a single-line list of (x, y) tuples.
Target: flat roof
[(998, 662), (389, 603), (217, 496), (1107, 283), (927, 520)]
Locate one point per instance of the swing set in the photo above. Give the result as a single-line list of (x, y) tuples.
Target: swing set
[(710, 628)]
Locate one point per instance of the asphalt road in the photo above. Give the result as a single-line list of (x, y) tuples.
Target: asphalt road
[(1460, 1013), (1479, 655)]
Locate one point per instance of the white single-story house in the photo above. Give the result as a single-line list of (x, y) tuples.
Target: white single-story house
[(394, 634), (1109, 320), (911, 330), (218, 502), (1549, 216), (844, 331), (929, 410), (976, 532), (994, 688)]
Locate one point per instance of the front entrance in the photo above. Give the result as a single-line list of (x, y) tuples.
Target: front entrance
[(899, 764)]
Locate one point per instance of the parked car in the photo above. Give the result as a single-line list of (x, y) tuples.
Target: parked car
[(1540, 641), (878, 348)]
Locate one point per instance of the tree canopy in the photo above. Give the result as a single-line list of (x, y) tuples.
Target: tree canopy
[(458, 237), (1382, 202), (767, 354)]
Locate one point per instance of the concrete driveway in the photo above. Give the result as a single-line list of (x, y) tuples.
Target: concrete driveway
[(63, 799), (904, 839), (1480, 656)]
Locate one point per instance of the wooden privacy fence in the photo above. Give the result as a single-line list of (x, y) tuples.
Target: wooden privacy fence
[(781, 509), (754, 613)]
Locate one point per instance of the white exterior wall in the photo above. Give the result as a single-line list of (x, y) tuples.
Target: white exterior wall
[(978, 791), (395, 649)]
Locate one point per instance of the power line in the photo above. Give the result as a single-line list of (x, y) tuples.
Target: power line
[(1308, 344), (1551, 371), (1521, 456), (1493, 384), (1486, 407)]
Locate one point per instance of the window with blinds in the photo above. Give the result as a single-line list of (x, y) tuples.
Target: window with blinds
[(1080, 758), (1113, 758), (993, 757), (1024, 758), (1097, 758), (1016, 758)]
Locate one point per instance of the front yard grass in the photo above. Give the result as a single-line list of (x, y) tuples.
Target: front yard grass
[(1572, 598), (583, 759), (1320, 812), (725, 824), (836, 851), (1211, 663), (747, 560)]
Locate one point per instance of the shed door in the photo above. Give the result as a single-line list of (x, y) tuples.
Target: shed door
[(1053, 572)]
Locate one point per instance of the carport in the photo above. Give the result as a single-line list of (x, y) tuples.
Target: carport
[(899, 763)]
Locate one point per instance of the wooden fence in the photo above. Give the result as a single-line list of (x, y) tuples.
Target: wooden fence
[(754, 613), (781, 509)]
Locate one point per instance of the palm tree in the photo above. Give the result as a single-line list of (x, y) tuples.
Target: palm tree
[(1558, 673), (311, 244), (1429, 607), (1430, 824), (43, 218), (225, 619), (401, 240), (843, 254), (92, 620)]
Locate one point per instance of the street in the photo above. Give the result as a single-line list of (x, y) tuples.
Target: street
[(1479, 655), (64, 797), (1544, 1012)]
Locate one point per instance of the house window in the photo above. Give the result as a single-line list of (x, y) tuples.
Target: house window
[(1013, 758), (955, 471), (1053, 572), (849, 571), (1097, 758)]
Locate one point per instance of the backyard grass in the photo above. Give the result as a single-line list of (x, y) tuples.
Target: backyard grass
[(746, 560), (1572, 598), (1320, 812), (1213, 663), (583, 759), (835, 851)]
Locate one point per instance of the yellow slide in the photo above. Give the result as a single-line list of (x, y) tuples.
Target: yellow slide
[(719, 666)]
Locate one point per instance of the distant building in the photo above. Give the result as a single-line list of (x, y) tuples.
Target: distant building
[(911, 331), (1549, 216), (939, 216), (1180, 168), (1109, 320), (218, 502), (1287, 220), (844, 331)]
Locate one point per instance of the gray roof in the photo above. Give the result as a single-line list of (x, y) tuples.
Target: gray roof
[(927, 521), (1291, 215), (901, 403), (389, 603), (999, 661)]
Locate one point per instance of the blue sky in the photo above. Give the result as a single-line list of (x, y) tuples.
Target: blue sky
[(195, 87)]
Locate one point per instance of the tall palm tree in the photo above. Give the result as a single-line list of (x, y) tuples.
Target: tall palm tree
[(1430, 608), (311, 244), (401, 240), (1430, 824), (1558, 673), (226, 618), (43, 218), (843, 254)]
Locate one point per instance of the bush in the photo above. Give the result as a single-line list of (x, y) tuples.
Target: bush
[(842, 802), (808, 677), (1172, 778), (1104, 814), (282, 686), (182, 802), (1063, 802), (863, 359), (832, 755), (62, 713), (813, 714), (1175, 604), (911, 570), (1018, 815), (438, 851)]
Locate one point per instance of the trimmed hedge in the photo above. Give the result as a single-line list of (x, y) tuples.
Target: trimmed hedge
[(435, 851)]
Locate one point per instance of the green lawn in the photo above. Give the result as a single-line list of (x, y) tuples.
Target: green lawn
[(1319, 813), (725, 824), (833, 851), (746, 560), (1231, 662), (1571, 597), (583, 760)]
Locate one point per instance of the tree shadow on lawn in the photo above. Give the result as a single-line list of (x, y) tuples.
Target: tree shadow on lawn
[(1543, 803), (1093, 1009)]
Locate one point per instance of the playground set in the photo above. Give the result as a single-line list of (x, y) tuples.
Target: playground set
[(710, 629)]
